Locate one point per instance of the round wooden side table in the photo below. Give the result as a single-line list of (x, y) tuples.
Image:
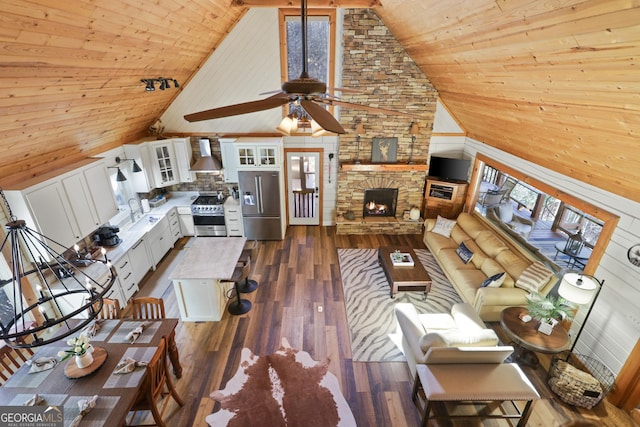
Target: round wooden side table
[(527, 339)]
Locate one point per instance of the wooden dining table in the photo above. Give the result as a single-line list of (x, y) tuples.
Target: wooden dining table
[(116, 392)]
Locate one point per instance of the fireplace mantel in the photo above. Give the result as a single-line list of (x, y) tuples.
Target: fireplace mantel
[(381, 167)]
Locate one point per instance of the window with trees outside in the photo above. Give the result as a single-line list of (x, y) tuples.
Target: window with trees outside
[(320, 44)]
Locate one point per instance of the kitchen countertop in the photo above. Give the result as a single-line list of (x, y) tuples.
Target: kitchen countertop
[(131, 234), (209, 258)]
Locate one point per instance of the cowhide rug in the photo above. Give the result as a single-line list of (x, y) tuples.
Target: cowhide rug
[(287, 388)]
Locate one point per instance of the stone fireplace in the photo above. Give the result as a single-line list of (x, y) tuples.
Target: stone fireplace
[(401, 182), (380, 202)]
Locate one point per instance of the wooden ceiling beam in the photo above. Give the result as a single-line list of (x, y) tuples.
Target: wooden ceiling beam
[(310, 3)]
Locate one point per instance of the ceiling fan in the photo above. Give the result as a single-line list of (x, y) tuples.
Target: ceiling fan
[(310, 93)]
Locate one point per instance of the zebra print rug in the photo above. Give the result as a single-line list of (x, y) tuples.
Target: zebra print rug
[(372, 323)]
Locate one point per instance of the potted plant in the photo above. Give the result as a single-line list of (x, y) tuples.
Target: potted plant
[(549, 311), (81, 349)]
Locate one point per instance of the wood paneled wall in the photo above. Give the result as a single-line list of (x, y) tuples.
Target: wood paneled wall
[(70, 74), (551, 82)]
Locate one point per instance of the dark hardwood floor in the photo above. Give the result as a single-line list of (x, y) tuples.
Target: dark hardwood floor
[(296, 276)]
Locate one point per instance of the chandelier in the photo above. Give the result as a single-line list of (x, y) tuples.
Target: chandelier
[(48, 297)]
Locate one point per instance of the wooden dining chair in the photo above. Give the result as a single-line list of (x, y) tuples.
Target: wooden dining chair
[(110, 309), (148, 308), (11, 359), (153, 387)]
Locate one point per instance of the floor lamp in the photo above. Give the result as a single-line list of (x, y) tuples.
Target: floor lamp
[(580, 289)]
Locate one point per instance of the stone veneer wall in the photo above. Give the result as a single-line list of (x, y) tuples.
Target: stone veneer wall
[(375, 64)]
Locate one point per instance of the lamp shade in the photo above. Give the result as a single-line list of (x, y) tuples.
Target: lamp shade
[(136, 167), (317, 130), (577, 288), (120, 176), (414, 129), (360, 129)]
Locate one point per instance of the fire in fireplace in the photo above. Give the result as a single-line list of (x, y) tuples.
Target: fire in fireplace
[(380, 202)]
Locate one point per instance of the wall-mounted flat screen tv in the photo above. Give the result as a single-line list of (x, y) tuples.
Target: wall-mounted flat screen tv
[(448, 169)]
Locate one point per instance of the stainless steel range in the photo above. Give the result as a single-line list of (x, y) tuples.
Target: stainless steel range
[(208, 215)]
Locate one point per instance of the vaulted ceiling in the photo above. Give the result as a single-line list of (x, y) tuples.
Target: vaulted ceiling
[(555, 82)]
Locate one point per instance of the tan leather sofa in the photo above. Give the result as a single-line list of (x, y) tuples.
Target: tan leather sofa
[(423, 332), (491, 255)]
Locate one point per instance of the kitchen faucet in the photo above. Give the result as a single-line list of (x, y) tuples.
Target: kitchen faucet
[(133, 211)]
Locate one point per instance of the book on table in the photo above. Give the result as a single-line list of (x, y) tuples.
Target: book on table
[(401, 259)]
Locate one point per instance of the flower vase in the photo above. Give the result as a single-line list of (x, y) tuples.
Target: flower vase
[(84, 360)]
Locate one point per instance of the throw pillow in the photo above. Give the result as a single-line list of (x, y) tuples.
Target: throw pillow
[(494, 281), (444, 226), (534, 277), (464, 253)]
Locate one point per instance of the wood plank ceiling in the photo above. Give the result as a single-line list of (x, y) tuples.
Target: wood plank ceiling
[(555, 82)]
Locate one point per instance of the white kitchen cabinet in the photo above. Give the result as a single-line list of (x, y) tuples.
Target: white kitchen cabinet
[(140, 260), (182, 148), (229, 159), (263, 153), (104, 200), (233, 218), (164, 162), (116, 293), (201, 300), (164, 166), (174, 225), (128, 284), (60, 204), (81, 203), (159, 238), (187, 227), (90, 197), (140, 182)]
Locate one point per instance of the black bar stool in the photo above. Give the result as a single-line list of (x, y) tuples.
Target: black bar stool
[(239, 306), (249, 254)]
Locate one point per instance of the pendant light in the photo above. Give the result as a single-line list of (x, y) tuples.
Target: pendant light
[(46, 290)]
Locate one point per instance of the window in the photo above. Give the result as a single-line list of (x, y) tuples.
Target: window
[(320, 45)]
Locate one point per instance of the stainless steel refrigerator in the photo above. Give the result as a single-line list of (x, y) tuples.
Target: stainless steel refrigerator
[(260, 200)]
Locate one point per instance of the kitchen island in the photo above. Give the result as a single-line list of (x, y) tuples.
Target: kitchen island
[(201, 278)]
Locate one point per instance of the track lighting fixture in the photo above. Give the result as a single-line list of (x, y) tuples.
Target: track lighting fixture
[(164, 83)]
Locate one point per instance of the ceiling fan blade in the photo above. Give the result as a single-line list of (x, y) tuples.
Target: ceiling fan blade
[(367, 108), (322, 116), (237, 109)]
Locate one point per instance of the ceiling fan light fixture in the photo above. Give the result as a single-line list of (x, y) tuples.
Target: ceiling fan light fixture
[(317, 130)]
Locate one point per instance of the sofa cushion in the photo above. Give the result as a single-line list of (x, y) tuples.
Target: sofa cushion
[(494, 281), (491, 267), (470, 225), (437, 242), (478, 256), (466, 317), (451, 262), (513, 263), (434, 321), (464, 253), (443, 226), (534, 277), (458, 338), (458, 235), (467, 282), (490, 244)]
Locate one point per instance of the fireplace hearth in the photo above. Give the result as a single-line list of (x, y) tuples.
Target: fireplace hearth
[(380, 202)]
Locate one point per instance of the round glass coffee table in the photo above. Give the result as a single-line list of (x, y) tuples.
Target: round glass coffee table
[(527, 339)]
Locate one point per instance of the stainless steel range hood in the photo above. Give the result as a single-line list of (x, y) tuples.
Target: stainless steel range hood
[(206, 162)]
